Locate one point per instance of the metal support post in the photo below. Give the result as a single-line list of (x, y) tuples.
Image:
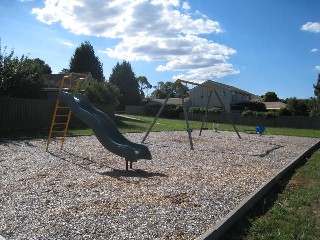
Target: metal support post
[(206, 113), (158, 114), (229, 118), (185, 112)]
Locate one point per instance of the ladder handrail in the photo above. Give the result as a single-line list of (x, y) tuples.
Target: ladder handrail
[(80, 78)]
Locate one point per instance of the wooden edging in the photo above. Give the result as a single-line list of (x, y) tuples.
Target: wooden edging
[(241, 209)]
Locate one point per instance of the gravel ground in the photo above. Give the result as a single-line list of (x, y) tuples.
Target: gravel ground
[(84, 192)]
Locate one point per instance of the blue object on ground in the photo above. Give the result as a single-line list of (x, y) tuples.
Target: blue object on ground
[(260, 129), (104, 128)]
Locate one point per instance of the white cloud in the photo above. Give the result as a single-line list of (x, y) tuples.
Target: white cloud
[(314, 50), (317, 68), (311, 27), (186, 6), (148, 30), (68, 44)]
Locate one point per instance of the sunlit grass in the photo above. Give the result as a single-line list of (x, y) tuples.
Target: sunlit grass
[(296, 213), (133, 123)]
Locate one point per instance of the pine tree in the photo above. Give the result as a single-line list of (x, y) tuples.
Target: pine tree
[(317, 87), (85, 60), (123, 76)]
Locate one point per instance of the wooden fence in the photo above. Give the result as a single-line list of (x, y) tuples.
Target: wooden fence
[(279, 121), (23, 114)]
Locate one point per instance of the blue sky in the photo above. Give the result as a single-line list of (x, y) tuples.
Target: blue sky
[(255, 45)]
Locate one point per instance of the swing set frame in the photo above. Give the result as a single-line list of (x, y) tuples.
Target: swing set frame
[(185, 109)]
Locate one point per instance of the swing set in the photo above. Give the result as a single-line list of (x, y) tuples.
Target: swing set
[(186, 110)]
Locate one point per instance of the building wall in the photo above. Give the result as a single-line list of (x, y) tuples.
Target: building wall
[(199, 96)]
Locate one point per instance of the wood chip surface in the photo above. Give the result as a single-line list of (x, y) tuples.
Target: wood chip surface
[(84, 191)]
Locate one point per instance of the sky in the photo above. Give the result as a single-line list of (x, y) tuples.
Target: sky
[(256, 45)]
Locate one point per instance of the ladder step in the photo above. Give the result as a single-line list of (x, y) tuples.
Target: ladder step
[(62, 110), (56, 139)]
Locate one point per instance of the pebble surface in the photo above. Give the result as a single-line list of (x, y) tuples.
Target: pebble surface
[(84, 191)]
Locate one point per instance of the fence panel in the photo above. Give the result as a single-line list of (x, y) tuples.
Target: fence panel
[(279, 121), (23, 114)]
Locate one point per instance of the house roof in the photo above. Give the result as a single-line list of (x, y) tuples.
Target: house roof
[(174, 101), (235, 89), (274, 105), (53, 81), (232, 88)]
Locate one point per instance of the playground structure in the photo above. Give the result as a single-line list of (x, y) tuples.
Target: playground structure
[(74, 82), (186, 110), (70, 100)]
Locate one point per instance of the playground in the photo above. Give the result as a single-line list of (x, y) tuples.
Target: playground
[(85, 192)]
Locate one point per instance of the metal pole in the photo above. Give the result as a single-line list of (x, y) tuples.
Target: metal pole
[(158, 114), (229, 118), (185, 112), (206, 113)]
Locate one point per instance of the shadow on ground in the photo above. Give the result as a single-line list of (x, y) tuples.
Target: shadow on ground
[(132, 173)]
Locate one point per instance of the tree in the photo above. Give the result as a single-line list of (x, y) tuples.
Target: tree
[(43, 67), (85, 60), (103, 92), (163, 88), (20, 77), (123, 76), (298, 107), (317, 87), (270, 97), (143, 84), (313, 106), (65, 70)]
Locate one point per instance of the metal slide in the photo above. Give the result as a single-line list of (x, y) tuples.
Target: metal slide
[(104, 128)]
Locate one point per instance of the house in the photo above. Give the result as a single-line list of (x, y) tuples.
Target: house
[(173, 101), (229, 95), (52, 82), (274, 105)]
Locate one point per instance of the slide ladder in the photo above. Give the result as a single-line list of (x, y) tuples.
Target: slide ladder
[(62, 113)]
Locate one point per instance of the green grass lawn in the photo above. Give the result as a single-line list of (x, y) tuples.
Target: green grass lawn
[(294, 213), (142, 123), (164, 124)]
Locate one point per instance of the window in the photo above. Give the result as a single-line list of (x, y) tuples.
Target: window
[(233, 96)]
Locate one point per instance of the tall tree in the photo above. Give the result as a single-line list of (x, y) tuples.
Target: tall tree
[(65, 70), (43, 67), (298, 107), (123, 76), (163, 88), (143, 84), (317, 87), (270, 97), (85, 60), (19, 77)]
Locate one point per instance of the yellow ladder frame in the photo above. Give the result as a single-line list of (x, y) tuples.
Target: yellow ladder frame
[(81, 77)]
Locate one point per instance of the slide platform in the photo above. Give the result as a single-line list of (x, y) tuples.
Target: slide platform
[(104, 128)]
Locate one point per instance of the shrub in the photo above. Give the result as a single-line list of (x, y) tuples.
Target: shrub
[(252, 106), (103, 92), (285, 111), (169, 111), (203, 110), (260, 114)]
